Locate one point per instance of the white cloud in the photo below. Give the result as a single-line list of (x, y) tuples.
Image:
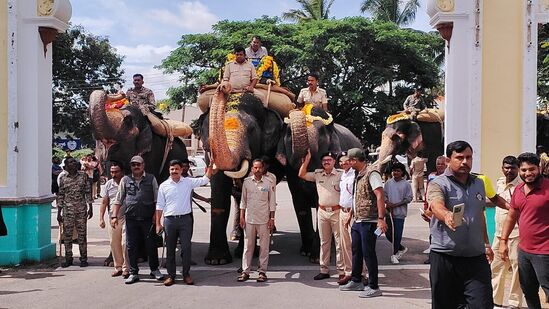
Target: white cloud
[(191, 16), (142, 59), (98, 26)]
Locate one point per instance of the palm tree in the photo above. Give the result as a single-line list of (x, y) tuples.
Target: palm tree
[(401, 12), (310, 10)]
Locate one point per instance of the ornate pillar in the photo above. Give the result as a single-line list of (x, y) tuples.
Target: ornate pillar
[(27, 29), (490, 76)]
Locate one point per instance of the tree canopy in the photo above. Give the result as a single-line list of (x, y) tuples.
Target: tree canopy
[(310, 10), (400, 12), (82, 62), (356, 59)]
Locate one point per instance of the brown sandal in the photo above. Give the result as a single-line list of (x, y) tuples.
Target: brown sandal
[(243, 277), (262, 277)]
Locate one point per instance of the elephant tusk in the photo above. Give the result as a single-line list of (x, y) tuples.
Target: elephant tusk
[(386, 160), (240, 173)]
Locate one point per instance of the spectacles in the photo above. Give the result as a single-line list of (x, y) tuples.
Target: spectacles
[(136, 164)]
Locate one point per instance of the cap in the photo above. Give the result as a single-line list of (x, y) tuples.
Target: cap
[(137, 159), (328, 154), (343, 156), (356, 153)]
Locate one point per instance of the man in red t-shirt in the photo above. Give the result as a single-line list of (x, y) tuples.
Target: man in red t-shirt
[(530, 207)]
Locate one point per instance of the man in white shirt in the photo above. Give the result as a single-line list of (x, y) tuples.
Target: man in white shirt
[(174, 202), (346, 203), (255, 51)]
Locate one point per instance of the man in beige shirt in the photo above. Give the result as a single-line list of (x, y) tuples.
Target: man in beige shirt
[(500, 268), (240, 73), (416, 169), (141, 96), (327, 182), (313, 94), (257, 211)]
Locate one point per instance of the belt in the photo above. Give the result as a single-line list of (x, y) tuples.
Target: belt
[(329, 208), (177, 216)]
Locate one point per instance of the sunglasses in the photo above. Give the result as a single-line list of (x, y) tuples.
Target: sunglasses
[(136, 164)]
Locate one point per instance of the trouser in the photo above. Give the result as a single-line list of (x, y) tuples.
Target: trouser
[(178, 227), (533, 272), (364, 250), (395, 238), (500, 271), (417, 187), (138, 234), (328, 225), (75, 219), (250, 234), (460, 282), (118, 245), (345, 242)]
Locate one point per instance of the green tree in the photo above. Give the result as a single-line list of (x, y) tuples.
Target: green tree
[(82, 62), (543, 66), (356, 59), (401, 12), (310, 10)]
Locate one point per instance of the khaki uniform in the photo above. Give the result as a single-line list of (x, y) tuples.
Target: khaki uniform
[(500, 268), (117, 235), (73, 198), (258, 201), (327, 186), (417, 166), (317, 97), (141, 97), (239, 75)]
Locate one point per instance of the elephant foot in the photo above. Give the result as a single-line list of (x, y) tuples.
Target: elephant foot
[(218, 259), (305, 250)]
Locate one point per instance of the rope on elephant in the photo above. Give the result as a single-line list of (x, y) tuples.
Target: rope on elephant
[(169, 143)]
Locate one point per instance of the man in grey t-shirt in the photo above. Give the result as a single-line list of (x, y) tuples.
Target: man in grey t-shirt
[(460, 273)]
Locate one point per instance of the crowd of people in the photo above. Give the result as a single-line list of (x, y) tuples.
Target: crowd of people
[(355, 207)]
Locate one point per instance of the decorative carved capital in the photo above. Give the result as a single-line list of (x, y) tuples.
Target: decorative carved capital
[(44, 7), (445, 31)]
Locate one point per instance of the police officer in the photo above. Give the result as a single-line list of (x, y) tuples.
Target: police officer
[(75, 202), (137, 192), (327, 185)]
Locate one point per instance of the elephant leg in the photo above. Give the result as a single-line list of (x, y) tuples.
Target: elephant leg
[(218, 251), (302, 206)]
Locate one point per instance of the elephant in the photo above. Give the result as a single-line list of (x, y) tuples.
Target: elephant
[(312, 133), (410, 137), (126, 132), (235, 131)]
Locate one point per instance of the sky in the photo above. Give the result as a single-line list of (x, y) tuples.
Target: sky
[(146, 31)]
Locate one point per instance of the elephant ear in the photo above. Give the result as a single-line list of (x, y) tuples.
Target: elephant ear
[(144, 140), (272, 131)]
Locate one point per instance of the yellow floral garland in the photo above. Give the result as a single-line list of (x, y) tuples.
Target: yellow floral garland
[(306, 109), (397, 117), (267, 62)]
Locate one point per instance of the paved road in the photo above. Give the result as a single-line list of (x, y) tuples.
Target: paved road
[(290, 282)]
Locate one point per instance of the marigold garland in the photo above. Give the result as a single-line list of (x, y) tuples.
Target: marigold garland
[(116, 104), (267, 63)]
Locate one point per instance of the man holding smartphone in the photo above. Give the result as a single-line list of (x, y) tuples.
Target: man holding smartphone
[(460, 273)]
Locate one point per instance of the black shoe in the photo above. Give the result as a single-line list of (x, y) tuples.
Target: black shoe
[(67, 263), (321, 276), (84, 264)]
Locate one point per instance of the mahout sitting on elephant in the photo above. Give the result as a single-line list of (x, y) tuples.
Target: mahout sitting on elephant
[(122, 131), (309, 129)]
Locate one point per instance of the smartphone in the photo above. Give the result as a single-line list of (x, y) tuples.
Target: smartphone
[(378, 232), (457, 212)]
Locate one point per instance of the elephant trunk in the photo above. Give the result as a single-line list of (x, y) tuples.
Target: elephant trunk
[(102, 128), (300, 139), (225, 136), (387, 149)]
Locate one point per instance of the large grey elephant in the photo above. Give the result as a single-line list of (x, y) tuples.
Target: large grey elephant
[(300, 134), (125, 132), (412, 137), (235, 133)]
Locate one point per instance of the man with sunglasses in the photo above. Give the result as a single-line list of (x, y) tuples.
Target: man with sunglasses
[(346, 203), (138, 192), (327, 185)]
